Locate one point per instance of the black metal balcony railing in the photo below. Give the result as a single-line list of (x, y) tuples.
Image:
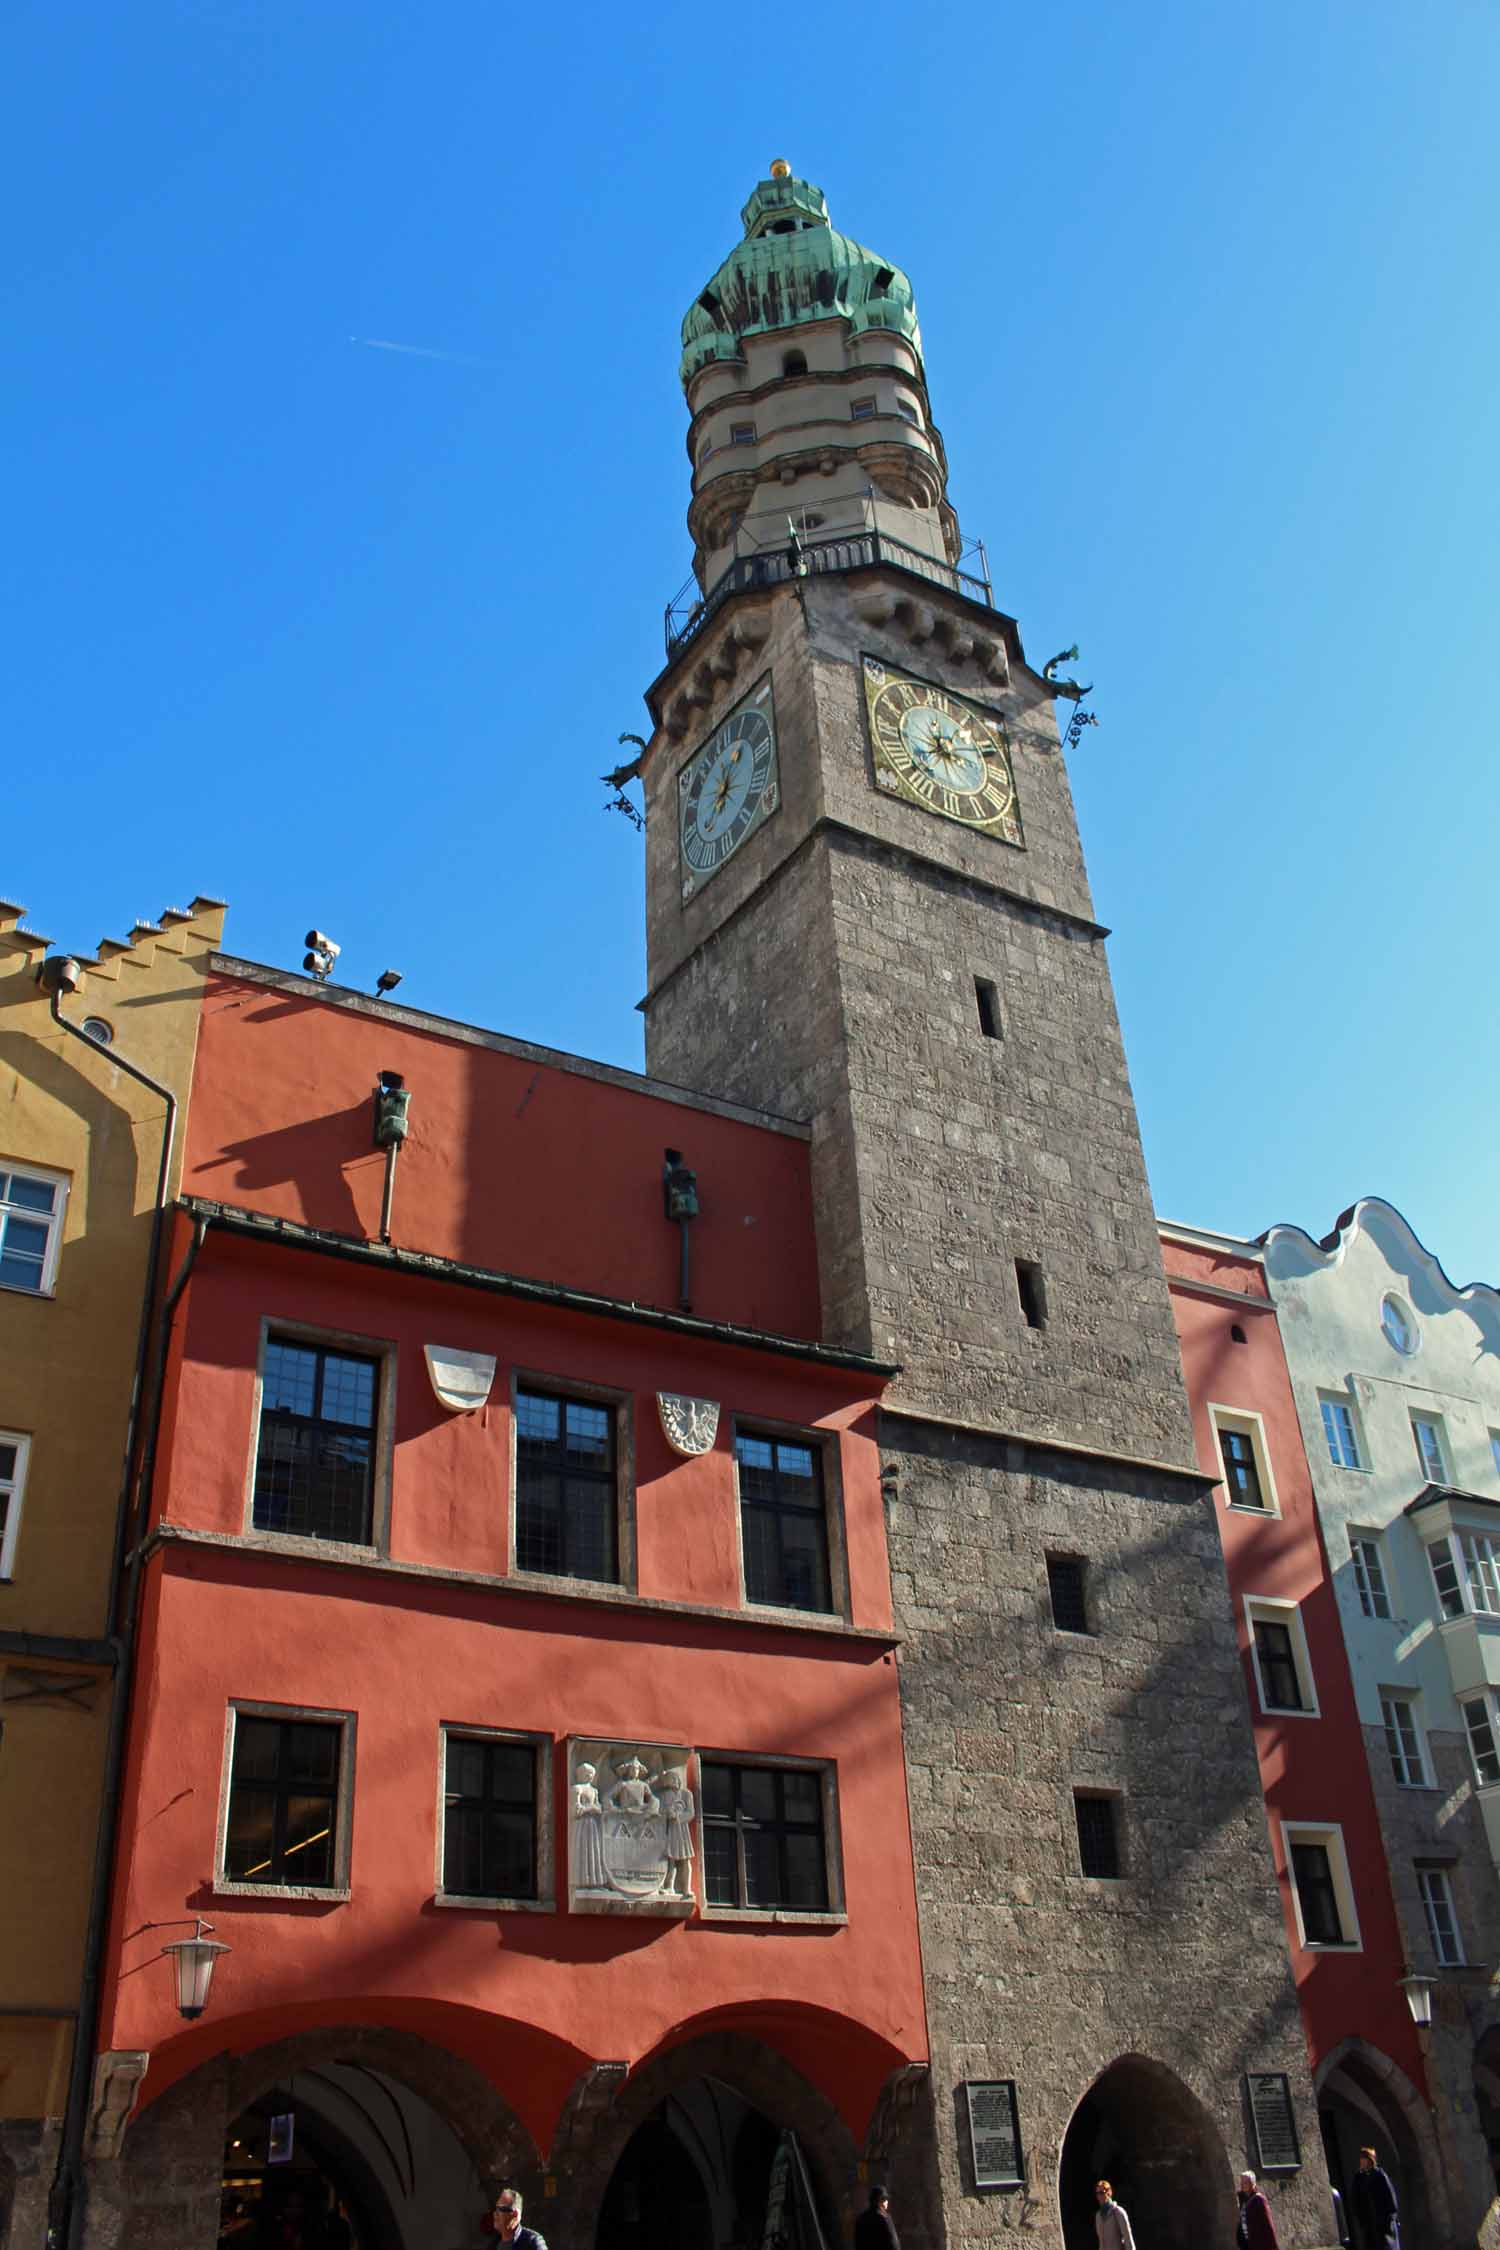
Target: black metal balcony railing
[(689, 610)]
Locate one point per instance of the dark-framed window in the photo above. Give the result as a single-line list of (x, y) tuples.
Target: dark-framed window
[(283, 1801), (1281, 1689), (315, 1459), (783, 1521), (1066, 1586), (1098, 1835), (763, 1837), (1317, 1895), (489, 1816), (566, 1486), (1241, 1469)]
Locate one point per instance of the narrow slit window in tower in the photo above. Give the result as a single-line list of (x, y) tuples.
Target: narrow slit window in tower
[(987, 1000), (1032, 1291), (794, 363)]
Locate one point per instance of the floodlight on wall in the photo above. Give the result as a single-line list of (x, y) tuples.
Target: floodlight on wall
[(1418, 1992), (320, 956), (194, 1959), (387, 981)]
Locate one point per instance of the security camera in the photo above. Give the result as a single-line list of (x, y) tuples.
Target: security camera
[(316, 942)]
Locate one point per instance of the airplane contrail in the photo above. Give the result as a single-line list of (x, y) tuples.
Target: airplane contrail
[(422, 351)]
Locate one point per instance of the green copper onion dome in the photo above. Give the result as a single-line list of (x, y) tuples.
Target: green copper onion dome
[(792, 267)]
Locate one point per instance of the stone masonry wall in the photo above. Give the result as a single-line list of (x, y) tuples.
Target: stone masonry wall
[(828, 972)]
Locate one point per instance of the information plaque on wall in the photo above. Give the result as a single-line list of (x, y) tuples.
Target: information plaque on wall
[(994, 2133), (1271, 2113)]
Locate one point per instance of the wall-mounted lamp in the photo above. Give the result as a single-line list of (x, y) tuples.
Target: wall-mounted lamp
[(679, 1190), (392, 1101), (1418, 1992), (194, 1958)]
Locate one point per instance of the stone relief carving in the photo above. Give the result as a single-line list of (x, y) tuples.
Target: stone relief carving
[(689, 1425), (461, 1379), (630, 1828)]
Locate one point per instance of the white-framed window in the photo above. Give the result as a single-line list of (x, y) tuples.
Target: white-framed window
[(287, 1804), (1403, 1739), (1495, 1449), (1339, 1430), (861, 409), (32, 1203), (1466, 1573), (1399, 1325), (1442, 1920), (1248, 1482), (1321, 1890), (15, 1452), (742, 433), (494, 1818), (1283, 1669), (1369, 1574), (1427, 1432), (1479, 1724)]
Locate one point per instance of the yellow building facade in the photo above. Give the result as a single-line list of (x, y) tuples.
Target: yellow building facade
[(81, 1145)]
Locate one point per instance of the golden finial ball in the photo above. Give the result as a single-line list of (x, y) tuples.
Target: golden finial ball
[(780, 169)]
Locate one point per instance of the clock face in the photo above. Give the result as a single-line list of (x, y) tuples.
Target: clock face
[(941, 752), (727, 788)]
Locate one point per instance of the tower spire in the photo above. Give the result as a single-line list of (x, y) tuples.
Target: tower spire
[(802, 365)]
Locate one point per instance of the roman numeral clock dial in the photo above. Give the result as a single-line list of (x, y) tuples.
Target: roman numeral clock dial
[(941, 753), (727, 788)]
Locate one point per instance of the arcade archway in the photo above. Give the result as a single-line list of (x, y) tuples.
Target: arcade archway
[(1139, 2127), (1364, 2101), (708, 2171)]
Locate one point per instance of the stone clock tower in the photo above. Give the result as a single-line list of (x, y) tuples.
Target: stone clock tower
[(868, 908)]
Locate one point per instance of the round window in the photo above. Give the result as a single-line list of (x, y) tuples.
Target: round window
[(99, 1030), (1398, 1324)]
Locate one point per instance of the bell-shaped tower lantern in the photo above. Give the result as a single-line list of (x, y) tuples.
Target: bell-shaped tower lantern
[(802, 365)]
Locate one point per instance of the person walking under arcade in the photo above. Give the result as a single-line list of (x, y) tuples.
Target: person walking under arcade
[(1111, 2223)]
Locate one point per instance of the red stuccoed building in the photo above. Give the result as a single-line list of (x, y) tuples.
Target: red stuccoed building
[(1341, 1924), (515, 1690)]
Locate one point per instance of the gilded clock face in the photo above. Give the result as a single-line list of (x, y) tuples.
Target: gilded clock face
[(727, 788), (940, 752)]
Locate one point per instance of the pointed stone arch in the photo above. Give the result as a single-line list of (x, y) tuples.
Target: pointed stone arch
[(1354, 2082), (1143, 2128)]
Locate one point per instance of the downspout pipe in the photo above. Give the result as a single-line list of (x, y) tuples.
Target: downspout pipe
[(65, 2229), (62, 974)]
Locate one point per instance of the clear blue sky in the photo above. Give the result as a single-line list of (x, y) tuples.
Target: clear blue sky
[(346, 635)]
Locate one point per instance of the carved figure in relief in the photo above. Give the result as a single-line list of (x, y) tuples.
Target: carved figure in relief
[(633, 1833), (588, 1830), (676, 1801)]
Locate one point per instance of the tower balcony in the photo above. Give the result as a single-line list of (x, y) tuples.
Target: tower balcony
[(834, 552)]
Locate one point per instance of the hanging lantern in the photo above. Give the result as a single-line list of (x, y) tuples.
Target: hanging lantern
[(194, 1959)]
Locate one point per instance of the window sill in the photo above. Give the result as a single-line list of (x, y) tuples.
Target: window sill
[(1243, 1508), (37, 1296), (301, 1543), (779, 1917), (787, 1613), (463, 1903), (565, 1582), (325, 1894), (1286, 1711), (1332, 1945)]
